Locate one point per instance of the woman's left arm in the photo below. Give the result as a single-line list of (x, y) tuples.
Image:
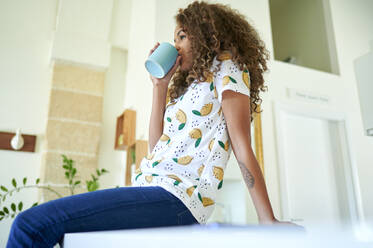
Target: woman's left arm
[(236, 110)]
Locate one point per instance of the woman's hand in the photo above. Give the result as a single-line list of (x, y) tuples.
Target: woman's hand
[(277, 222), (167, 78)]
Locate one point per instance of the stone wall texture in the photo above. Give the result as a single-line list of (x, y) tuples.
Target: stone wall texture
[(73, 126)]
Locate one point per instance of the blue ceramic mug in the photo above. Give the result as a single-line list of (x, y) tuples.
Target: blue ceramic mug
[(160, 62)]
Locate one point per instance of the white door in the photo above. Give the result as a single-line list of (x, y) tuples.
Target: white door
[(312, 170)]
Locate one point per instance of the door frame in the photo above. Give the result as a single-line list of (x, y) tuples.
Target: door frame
[(349, 163)]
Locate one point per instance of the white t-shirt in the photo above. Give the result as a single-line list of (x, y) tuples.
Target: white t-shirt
[(190, 157)]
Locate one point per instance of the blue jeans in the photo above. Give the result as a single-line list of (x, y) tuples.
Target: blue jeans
[(108, 209)]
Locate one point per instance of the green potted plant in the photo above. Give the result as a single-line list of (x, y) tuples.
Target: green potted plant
[(70, 173)]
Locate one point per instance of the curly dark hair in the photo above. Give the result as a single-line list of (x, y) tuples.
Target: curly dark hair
[(212, 30)]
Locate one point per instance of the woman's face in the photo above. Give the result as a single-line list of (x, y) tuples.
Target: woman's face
[(183, 46)]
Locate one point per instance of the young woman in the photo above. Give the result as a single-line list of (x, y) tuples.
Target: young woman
[(195, 124)]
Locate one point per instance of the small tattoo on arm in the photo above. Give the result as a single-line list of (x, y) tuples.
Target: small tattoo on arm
[(248, 177)]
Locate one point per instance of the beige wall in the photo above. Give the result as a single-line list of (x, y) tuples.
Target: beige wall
[(73, 125)]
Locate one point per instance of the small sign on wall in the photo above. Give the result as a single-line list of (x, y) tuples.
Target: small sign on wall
[(307, 96)]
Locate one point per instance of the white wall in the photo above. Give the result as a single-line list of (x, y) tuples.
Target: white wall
[(108, 158), (82, 32), (138, 89), (353, 32), (25, 44)]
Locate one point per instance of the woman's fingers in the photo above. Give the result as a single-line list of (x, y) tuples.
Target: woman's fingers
[(173, 69), (152, 50)]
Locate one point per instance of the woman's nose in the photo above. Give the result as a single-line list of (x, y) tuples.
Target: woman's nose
[(177, 47)]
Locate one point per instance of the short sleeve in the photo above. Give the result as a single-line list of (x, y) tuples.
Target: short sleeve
[(230, 77)]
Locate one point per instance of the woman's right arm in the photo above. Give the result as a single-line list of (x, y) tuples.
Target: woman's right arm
[(156, 117), (160, 87)]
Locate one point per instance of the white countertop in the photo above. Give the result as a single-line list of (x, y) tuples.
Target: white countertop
[(222, 235)]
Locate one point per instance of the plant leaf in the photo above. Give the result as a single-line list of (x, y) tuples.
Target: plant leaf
[(5, 209), (14, 183), (92, 186), (20, 206), (3, 188), (37, 180), (13, 207), (24, 180)]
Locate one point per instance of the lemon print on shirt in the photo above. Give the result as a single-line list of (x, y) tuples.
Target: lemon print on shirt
[(211, 144), (224, 146), (228, 79), (196, 134), (205, 110), (149, 156), (246, 78), (170, 103), (176, 178), (200, 170), (218, 174), (183, 160), (181, 116), (205, 200), (157, 162), (190, 190), (138, 172), (149, 178), (212, 87), (164, 137)]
